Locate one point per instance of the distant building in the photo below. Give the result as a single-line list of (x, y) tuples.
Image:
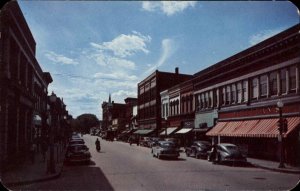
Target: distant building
[(113, 116), (149, 100), (130, 103)]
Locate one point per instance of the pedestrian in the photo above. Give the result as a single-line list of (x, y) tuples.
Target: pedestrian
[(214, 153), (32, 152)]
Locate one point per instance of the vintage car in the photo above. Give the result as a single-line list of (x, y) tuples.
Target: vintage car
[(198, 149), (165, 149), (78, 153), (225, 153)]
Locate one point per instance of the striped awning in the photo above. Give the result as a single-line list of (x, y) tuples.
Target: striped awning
[(252, 128), (184, 130), (170, 130)]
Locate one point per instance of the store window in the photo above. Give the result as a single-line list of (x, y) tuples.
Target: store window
[(254, 88), (292, 79), (263, 85), (273, 83)]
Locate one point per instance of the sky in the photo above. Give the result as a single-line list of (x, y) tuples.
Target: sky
[(96, 48)]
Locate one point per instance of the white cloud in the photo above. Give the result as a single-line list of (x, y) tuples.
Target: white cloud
[(168, 7), (168, 49), (116, 76), (125, 45), (124, 94), (60, 59), (263, 35)]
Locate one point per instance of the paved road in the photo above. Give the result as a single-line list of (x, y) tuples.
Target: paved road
[(120, 166)]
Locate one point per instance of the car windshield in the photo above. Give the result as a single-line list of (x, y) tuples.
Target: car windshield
[(167, 145), (232, 148)]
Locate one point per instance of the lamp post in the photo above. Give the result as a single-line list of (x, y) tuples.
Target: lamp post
[(281, 131), (52, 107)]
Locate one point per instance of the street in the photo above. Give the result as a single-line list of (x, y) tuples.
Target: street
[(120, 166)]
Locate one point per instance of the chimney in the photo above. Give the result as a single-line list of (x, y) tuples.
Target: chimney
[(176, 70)]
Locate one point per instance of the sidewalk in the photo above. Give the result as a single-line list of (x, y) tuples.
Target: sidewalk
[(273, 165), (29, 172)]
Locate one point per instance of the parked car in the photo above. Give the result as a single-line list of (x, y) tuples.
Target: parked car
[(226, 152), (78, 153), (76, 142), (154, 140), (165, 149), (198, 149), (174, 140)]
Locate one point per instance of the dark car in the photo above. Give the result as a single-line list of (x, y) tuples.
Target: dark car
[(154, 140), (165, 149), (76, 141), (78, 153), (198, 149), (226, 152)]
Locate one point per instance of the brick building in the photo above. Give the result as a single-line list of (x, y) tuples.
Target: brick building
[(238, 97), (23, 86), (149, 100)]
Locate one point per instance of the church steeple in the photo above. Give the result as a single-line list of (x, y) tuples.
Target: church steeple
[(109, 98)]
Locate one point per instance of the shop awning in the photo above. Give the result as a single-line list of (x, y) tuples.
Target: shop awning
[(252, 128), (170, 130), (184, 131), (143, 131)]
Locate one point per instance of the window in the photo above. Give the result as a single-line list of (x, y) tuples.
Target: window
[(233, 93), (273, 83), (203, 101), (167, 109), (263, 85), (283, 81), (239, 92), (292, 79), (254, 88), (210, 98), (245, 91), (227, 95), (223, 97)]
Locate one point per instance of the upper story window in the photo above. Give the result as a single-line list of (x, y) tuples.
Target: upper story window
[(245, 90), (233, 93), (254, 88), (292, 78), (239, 92), (263, 85), (273, 83), (227, 95), (283, 81)]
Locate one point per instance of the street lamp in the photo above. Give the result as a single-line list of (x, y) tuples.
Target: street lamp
[(52, 107), (281, 131)]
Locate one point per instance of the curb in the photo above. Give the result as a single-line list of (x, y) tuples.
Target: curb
[(277, 170)]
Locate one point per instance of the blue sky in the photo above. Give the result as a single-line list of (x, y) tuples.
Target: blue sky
[(93, 48)]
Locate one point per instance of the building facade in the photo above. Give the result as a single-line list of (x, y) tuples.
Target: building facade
[(238, 97), (23, 85), (149, 100)]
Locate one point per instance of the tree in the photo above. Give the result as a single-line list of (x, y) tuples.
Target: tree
[(87, 121)]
